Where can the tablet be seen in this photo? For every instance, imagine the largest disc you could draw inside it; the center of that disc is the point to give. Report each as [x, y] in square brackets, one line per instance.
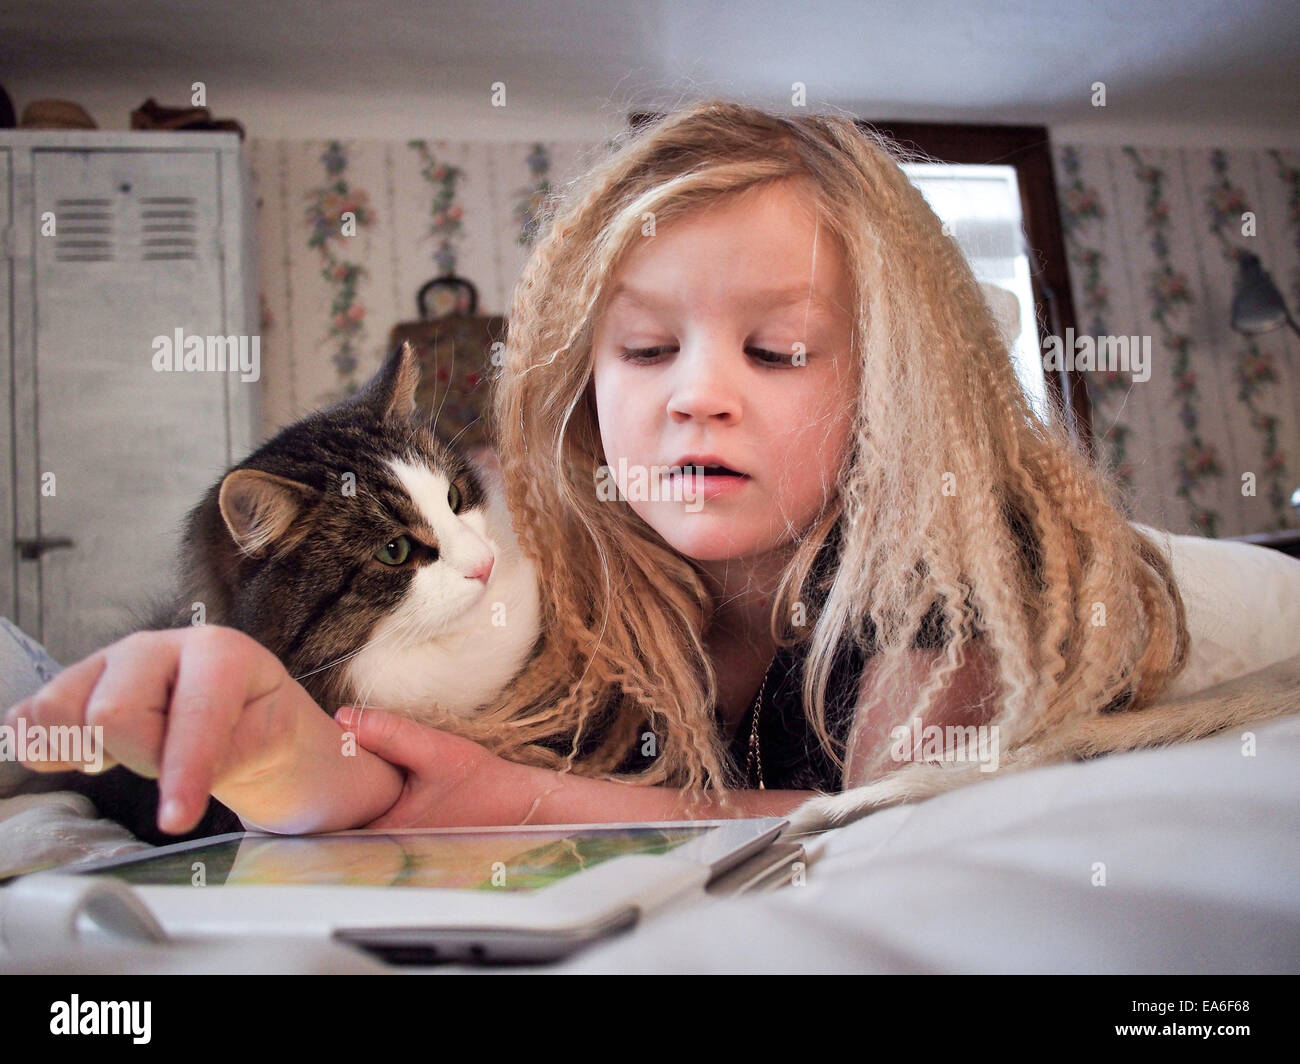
[508, 894]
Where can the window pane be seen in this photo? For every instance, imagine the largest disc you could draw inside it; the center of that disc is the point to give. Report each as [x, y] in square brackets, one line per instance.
[981, 207]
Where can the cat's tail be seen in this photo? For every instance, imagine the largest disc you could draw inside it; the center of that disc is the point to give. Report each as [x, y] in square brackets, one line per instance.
[1258, 696]
[1267, 694]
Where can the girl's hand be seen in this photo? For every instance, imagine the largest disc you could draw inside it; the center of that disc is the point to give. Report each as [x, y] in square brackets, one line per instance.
[450, 781]
[453, 782]
[200, 709]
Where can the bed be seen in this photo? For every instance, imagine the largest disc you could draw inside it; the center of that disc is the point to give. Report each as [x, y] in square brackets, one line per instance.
[1184, 859]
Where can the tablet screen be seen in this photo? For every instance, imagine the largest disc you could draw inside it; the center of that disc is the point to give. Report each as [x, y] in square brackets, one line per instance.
[461, 860]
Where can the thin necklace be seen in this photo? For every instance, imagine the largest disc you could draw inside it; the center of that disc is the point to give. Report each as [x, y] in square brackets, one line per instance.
[755, 755]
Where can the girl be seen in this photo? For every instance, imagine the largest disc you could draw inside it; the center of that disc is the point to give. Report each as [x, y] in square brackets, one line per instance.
[889, 531]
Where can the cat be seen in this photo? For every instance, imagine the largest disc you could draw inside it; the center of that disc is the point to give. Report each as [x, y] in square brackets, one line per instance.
[376, 561]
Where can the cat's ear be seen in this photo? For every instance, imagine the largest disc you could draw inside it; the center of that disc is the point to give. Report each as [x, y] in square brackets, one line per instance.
[258, 507]
[391, 391]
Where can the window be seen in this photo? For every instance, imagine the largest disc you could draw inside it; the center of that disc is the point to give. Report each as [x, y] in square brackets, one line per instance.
[1027, 151]
[980, 206]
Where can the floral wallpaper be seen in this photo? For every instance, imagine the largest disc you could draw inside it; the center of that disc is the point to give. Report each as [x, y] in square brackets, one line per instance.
[334, 213]
[348, 231]
[1210, 443]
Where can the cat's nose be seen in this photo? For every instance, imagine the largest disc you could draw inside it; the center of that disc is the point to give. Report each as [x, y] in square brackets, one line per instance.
[484, 571]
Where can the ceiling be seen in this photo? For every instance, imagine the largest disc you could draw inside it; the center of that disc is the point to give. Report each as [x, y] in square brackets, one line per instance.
[1194, 61]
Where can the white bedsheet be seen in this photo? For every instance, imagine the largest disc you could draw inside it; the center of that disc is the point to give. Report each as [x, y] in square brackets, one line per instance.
[57, 827]
[1200, 847]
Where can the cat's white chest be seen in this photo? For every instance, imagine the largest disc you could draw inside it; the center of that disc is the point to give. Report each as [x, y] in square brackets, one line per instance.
[436, 650]
[460, 672]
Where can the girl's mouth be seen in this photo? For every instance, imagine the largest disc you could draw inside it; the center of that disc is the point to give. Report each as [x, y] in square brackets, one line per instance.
[708, 482]
[706, 471]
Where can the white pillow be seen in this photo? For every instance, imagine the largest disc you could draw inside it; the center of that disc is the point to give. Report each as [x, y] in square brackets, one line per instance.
[1196, 844]
[1242, 602]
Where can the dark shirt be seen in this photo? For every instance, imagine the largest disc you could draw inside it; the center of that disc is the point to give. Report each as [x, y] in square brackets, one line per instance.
[792, 755]
[793, 758]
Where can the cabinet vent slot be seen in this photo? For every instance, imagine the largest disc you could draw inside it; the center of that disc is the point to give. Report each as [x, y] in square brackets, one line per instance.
[84, 230]
[168, 227]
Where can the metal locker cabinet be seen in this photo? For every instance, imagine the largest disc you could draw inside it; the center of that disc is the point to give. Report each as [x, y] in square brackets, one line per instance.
[150, 236]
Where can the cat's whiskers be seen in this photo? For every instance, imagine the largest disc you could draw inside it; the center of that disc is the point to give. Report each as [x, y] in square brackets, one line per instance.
[339, 661]
[362, 701]
[408, 625]
[404, 626]
[451, 375]
[452, 442]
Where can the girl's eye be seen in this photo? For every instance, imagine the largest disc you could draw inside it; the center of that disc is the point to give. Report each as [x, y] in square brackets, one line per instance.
[771, 358]
[641, 355]
[453, 498]
[395, 551]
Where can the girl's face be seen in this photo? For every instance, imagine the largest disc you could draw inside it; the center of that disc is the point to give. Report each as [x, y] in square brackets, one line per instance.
[750, 310]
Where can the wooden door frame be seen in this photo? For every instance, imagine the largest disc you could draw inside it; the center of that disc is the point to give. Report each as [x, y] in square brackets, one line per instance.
[1029, 150]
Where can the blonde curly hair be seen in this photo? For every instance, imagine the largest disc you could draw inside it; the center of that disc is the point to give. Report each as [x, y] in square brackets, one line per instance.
[938, 406]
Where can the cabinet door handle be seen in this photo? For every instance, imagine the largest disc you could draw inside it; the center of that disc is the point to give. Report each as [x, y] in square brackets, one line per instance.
[31, 549]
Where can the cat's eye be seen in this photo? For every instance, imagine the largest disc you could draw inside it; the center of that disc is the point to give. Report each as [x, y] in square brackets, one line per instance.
[453, 498]
[395, 551]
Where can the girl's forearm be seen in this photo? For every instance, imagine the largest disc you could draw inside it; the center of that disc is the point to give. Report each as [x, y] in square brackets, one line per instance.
[543, 796]
[328, 783]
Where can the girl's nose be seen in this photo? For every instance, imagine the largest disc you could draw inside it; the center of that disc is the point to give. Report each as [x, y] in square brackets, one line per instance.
[704, 389]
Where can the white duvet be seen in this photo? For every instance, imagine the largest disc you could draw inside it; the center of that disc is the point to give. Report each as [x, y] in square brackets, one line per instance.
[1181, 860]
[1185, 859]
[54, 827]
